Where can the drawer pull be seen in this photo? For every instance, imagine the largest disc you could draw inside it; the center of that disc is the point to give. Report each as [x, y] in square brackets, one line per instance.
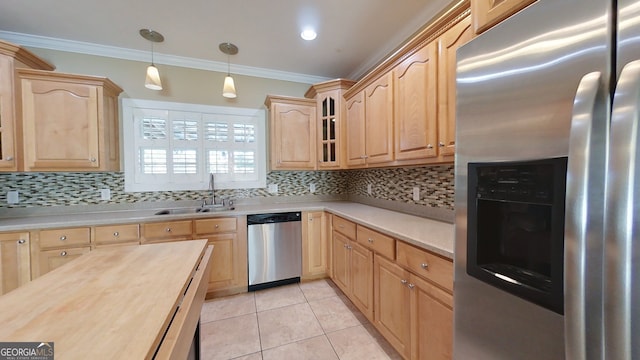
[424, 266]
[21, 241]
[370, 240]
[63, 237]
[403, 282]
[63, 253]
[116, 234]
[167, 230]
[345, 246]
[411, 286]
[349, 247]
[217, 226]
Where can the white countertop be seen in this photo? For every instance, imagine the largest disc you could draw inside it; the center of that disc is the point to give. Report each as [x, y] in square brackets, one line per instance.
[432, 235]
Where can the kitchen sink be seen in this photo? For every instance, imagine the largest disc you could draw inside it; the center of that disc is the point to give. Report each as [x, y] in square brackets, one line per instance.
[196, 210]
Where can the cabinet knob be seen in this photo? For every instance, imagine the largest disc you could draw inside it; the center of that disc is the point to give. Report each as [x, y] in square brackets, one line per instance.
[116, 234]
[424, 266]
[63, 237]
[429, 146]
[167, 230]
[63, 253]
[21, 241]
[93, 159]
[441, 144]
[411, 286]
[9, 158]
[217, 226]
[370, 240]
[403, 282]
[349, 247]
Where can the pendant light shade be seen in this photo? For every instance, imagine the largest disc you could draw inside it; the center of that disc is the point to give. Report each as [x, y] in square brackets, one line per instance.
[229, 87]
[152, 80]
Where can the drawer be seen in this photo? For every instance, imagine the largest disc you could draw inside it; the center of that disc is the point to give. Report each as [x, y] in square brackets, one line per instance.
[167, 230]
[113, 234]
[65, 237]
[425, 264]
[344, 227]
[216, 225]
[381, 244]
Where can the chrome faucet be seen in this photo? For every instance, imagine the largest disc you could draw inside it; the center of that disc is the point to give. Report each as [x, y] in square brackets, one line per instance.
[212, 191]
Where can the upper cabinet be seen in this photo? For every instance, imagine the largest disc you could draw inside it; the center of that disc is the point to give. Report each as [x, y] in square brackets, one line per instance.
[13, 57]
[292, 130]
[331, 122]
[70, 122]
[487, 13]
[355, 131]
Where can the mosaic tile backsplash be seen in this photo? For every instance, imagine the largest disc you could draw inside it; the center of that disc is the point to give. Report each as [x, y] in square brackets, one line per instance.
[395, 184]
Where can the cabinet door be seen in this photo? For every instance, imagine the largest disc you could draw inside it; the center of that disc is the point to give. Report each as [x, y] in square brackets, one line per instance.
[392, 299]
[314, 245]
[340, 261]
[60, 125]
[487, 13]
[226, 262]
[329, 120]
[416, 107]
[53, 259]
[355, 137]
[431, 321]
[294, 137]
[15, 267]
[448, 43]
[8, 146]
[361, 273]
[379, 120]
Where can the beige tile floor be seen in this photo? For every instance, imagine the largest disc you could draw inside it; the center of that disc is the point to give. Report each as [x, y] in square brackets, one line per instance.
[311, 320]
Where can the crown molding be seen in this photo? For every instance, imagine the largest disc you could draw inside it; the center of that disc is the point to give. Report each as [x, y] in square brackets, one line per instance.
[80, 47]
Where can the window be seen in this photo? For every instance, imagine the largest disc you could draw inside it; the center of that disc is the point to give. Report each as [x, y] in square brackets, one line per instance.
[174, 146]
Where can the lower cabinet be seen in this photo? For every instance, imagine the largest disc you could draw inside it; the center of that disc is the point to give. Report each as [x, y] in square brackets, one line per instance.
[15, 261]
[228, 273]
[53, 248]
[53, 259]
[353, 271]
[314, 245]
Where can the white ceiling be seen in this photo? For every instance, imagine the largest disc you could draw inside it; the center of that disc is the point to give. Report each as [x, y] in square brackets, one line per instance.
[353, 35]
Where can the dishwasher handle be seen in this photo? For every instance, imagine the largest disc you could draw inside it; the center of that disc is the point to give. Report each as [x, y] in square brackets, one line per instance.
[273, 218]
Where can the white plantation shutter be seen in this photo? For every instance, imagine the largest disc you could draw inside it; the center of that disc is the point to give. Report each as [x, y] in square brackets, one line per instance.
[174, 146]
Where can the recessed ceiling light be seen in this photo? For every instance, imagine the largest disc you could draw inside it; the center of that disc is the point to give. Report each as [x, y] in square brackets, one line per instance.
[308, 34]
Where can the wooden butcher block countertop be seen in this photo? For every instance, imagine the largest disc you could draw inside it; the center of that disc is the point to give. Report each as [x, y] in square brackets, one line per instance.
[112, 303]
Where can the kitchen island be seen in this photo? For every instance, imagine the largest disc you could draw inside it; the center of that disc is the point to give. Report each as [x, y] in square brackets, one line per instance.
[129, 302]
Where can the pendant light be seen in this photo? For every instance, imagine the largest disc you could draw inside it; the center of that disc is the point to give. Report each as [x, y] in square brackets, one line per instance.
[229, 88]
[153, 76]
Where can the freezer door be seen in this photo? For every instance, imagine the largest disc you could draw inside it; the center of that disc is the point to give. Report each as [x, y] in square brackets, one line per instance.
[622, 222]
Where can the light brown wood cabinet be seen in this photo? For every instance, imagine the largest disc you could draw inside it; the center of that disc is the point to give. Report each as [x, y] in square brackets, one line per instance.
[53, 248]
[487, 13]
[13, 57]
[115, 235]
[356, 131]
[166, 231]
[15, 261]
[314, 245]
[228, 273]
[448, 43]
[70, 122]
[353, 269]
[416, 105]
[331, 123]
[379, 120]
[292, 131]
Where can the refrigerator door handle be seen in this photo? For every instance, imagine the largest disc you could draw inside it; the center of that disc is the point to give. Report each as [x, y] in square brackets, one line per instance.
[583, 220]
[622, 221]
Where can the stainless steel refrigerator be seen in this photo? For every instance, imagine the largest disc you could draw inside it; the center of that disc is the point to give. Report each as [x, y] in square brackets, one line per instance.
[547, 255]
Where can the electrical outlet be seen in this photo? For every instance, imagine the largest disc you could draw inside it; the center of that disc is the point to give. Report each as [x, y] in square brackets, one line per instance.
[369, 189]
[312, 187]
[416, 193]
[13, 197]
[105, 194]
[273, 188]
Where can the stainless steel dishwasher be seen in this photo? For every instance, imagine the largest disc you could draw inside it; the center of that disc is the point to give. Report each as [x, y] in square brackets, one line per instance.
[274, 249]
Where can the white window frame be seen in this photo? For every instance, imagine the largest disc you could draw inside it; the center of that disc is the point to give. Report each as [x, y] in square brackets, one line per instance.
[135, 181]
